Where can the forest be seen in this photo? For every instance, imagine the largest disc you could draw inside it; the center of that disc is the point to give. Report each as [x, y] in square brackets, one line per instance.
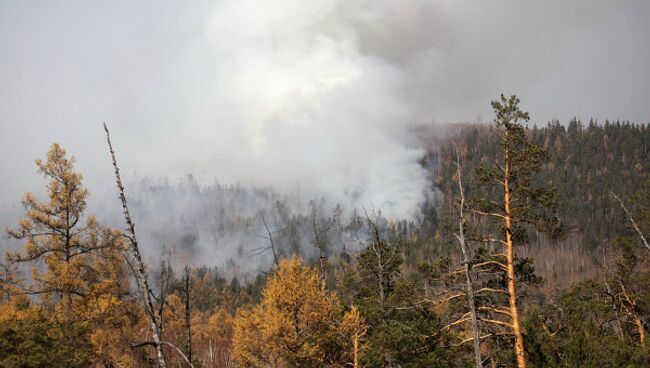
[530, 250]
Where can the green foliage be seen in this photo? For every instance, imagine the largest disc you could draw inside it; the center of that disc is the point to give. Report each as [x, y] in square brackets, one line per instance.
[519, 162]
[580, 331]
[405, 332]
[39, 342]
[583, 163]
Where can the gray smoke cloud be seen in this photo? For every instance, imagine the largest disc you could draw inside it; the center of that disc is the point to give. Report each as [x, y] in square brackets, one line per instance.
[314, 96]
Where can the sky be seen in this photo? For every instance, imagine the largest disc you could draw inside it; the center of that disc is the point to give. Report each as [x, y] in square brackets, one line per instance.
[314, 95]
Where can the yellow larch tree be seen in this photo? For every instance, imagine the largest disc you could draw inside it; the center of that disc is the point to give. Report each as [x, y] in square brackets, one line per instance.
[353, 326]
[78, 270]
[55, 233]
[293, 325]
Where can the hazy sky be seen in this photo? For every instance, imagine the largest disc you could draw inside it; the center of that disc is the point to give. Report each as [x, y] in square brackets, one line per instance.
[313, 94]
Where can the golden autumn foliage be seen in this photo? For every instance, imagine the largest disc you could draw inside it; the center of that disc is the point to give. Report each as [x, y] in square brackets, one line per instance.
[56, 233]
[108, 306]
[211, 336]
[16, 309]
[78, 270]
[354, 325]
[296, 324]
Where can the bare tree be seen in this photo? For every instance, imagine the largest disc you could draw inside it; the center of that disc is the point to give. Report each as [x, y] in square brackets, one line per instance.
[140, 272]
[644, 240]
[164, 287]
[320, 247]
[467, 263]
[381, 258]
[269, 238]
[188, 325]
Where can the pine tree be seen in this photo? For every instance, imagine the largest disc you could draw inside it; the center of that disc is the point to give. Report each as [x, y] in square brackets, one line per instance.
[508, 199]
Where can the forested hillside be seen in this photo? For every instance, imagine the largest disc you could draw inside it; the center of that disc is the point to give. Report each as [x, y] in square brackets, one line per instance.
[529, 250]
[585, 164]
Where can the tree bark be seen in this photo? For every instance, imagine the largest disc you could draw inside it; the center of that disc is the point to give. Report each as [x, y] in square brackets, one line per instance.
[510, 257]
[468, 267]
[188, 325]
[321, 254]
[632, 310]
[140, 270]
[356, 350]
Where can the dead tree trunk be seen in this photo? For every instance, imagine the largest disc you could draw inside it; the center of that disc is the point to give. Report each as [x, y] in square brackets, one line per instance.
[380, 258]
[322, 258]
[276, 261]
[634, 224]
[164, 283]
[188, 325]
[140, 269]
[468, 267]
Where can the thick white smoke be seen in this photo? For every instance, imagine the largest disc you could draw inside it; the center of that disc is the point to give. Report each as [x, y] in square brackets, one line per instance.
[289, 100]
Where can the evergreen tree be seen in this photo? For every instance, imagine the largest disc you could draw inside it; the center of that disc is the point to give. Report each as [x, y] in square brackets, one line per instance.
[508, 199]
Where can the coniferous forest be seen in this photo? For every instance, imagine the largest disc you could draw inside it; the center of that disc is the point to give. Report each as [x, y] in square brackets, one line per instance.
[324, 184]
[531, 250]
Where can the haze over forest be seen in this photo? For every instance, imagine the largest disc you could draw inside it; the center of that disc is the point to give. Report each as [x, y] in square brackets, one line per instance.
[320, 98]
[251, 132]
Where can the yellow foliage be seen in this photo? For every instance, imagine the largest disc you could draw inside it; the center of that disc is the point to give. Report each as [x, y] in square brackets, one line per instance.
[217, 325]
[291, 324]
[16, 308]
[78, 266]
[354, 326]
